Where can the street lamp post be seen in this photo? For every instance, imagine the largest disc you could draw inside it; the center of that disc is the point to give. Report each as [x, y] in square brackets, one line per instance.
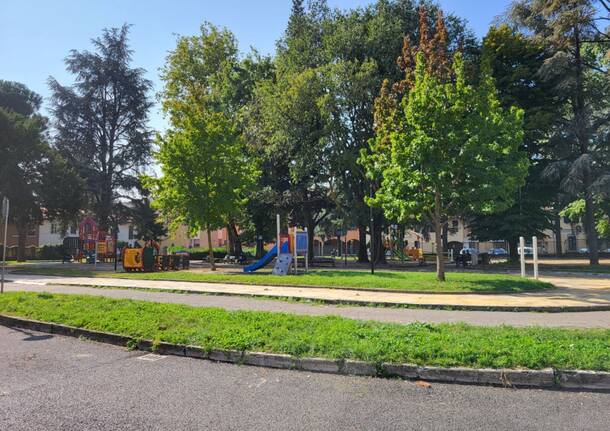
[5, 213]
[372, 228]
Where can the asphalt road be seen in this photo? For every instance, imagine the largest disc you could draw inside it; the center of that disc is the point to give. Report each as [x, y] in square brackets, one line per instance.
[56, 383]
[589, 319]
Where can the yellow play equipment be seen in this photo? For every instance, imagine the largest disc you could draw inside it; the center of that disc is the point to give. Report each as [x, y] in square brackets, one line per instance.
[416, 254]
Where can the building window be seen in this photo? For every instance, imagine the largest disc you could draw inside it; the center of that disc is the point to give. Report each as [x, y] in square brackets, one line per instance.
[131, 232]
[455, 224]
[566, 220]
[54, 228]
[73, 229]
[572, 243]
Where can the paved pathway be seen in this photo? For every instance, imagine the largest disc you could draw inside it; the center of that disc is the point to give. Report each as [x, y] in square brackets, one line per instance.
[49, 382]
[572, 293]
[592, 319]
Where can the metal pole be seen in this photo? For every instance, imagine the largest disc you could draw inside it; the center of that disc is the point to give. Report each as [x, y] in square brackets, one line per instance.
[345, 250]
[5, 208]
[294, 249]
[372, 228]
[115, 246]
[307, 253]
[535, 252]
[522, 255]
[279, 246]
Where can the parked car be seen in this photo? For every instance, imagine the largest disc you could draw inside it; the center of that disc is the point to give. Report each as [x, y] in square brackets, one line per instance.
[498, 252]
[528, 251]
[583, 250]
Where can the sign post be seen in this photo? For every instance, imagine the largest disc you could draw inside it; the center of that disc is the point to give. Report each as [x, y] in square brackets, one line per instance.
[279, 245]
[522, 255]
[372, 230]
[5, 213]
[307, 253]
[295, 251]
[535, 252]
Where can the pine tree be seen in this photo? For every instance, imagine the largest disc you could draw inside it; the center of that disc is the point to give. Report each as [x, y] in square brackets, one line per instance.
[570, 31]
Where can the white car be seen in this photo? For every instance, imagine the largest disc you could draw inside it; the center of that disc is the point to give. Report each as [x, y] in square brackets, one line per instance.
[468, 250]
[527, 251]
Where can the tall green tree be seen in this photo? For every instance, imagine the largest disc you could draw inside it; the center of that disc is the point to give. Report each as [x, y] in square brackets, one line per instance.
[361, 52]
[206, 172]
[101, 122]
[254, 220]
[288, 124]
[515, 62]
[144, 217]
[453, 150]
[570, 31]
[33, 176]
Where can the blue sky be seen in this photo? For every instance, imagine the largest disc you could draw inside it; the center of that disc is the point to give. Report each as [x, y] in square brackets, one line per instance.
[36, 35]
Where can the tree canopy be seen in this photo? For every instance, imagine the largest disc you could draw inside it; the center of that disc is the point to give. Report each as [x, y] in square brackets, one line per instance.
[453, 150]
[205, 170]
[101, 122]
[34, 177]
[577, 67]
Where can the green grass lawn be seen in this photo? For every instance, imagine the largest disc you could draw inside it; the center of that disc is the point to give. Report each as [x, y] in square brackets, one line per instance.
[327, 336]
[392, 280]
[29, 262]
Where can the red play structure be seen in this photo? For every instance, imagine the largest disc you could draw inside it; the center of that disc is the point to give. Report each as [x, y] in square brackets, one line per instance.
[91, 236]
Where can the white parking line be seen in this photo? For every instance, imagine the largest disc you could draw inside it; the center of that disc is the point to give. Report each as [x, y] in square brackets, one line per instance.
[37, 283]
[151, 357]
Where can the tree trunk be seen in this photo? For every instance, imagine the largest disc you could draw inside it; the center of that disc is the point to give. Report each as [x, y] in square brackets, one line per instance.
[22, 231]
[235, 248]
[310, 237]
[445, 236]
[590, 228]
[230, 241]
[211, 250]
[438, 231]
[513, 245]
[339, 247]
[378, 246]
[362, 254]
[311, 227]
[259, 247]
[558, 245]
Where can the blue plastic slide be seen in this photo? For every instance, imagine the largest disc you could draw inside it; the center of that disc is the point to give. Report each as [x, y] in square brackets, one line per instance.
[266, 259]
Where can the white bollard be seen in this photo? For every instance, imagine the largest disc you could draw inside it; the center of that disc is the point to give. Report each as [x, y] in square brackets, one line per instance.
[535, 252]
[522, 255]
[279, 246]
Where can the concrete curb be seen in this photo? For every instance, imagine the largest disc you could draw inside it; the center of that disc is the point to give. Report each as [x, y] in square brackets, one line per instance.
[458, 307]
[548, 378]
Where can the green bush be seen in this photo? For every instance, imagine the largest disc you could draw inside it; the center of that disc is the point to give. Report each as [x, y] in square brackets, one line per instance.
[50, 252]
